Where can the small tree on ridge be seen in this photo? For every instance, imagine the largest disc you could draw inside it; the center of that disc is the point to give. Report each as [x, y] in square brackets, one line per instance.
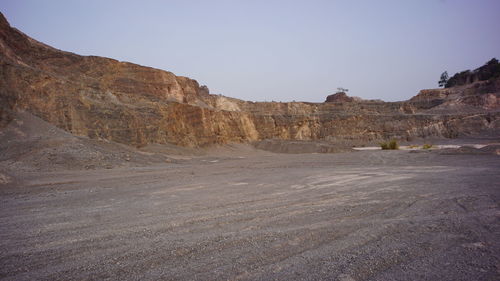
[340, 90]
[444, 79]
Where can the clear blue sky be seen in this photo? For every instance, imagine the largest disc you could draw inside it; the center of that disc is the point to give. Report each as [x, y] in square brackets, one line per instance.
[277, 50]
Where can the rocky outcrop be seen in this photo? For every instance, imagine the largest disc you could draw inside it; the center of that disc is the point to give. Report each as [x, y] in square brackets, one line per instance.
[482, 96]
[106, 99]
[339, 97]
[490, 70]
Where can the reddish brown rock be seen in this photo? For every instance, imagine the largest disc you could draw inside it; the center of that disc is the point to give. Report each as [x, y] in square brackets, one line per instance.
[479, 96]
[339, 97]
[107, 99]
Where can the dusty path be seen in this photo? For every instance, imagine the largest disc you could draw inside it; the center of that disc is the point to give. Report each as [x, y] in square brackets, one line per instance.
[371, 215]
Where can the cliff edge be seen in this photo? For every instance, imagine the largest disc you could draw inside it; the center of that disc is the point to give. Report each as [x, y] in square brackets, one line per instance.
[106, 99]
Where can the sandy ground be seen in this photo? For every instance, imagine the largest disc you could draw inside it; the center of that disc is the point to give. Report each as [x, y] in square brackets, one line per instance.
[368, 215]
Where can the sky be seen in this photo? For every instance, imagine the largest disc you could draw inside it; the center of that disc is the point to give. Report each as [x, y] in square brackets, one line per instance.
[277, 50]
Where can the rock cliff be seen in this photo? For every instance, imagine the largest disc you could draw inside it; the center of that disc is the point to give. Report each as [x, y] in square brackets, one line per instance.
[489, 70]
[119, 101]
[339, 97]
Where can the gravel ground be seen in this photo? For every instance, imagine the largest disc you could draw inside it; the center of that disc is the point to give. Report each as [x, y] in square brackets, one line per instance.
[368, 215]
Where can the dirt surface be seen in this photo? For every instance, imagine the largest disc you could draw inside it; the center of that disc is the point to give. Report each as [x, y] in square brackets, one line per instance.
[296, 146]
[369, 215]
[78, 209]
[29, 143]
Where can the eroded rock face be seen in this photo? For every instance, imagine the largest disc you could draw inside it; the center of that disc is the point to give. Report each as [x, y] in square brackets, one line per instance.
[477, 97]
[339, 97]
[107, 99]
[490, 70]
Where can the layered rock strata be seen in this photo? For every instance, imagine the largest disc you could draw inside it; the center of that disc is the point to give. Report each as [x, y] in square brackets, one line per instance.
[123, 102]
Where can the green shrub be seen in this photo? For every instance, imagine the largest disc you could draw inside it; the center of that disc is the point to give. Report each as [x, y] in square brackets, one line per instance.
[427, 146]
[392, 144]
